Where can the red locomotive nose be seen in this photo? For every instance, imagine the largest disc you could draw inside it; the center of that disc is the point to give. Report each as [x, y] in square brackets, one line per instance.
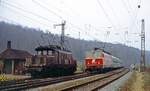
[95, 62]
[99, 61]
[88, 61]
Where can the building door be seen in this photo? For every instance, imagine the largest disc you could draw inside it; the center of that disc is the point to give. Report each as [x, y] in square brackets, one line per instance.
[8, 66]
[1, 66]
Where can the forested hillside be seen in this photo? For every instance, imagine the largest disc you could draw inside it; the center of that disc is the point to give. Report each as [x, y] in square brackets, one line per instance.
[28, 38]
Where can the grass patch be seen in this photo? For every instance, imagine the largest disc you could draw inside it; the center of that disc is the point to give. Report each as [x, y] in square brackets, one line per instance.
[3, 77]
[127, 86]
[79, 67]
[146, 81]
[6, 77]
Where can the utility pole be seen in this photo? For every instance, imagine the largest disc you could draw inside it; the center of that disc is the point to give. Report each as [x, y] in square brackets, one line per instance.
[125, 44]
[142, 62]
[80, 47]
[106, 37]
[62, 32]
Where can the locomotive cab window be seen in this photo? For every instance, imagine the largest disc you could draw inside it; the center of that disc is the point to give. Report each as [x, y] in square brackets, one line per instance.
[39, 52]
[44, 52]
[49, 52]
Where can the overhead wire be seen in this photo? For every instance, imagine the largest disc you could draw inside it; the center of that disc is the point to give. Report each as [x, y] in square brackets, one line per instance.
[57, 15]
[29, 18]
[105, 13]
[80, 29]
[47, 9]
[71, 9]
[50, 11]
[115, 15]
[125, 5]
[16, 7]
[56, 9]
[136, 14]
[134, 17]
[29, 12]
[129, 5]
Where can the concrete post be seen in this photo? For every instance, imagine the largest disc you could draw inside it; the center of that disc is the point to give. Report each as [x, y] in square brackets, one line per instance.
[13, 66]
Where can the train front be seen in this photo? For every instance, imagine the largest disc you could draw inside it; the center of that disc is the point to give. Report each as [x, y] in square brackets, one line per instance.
[94, 61]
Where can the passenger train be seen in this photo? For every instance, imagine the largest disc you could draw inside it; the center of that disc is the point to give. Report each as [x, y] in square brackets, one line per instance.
[98, 60]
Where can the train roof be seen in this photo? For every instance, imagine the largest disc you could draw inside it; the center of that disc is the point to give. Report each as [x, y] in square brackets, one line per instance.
[102, 50]
[51, 47]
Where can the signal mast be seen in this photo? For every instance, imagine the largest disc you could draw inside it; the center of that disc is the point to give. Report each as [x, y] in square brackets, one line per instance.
[142, 61]
[62, 41]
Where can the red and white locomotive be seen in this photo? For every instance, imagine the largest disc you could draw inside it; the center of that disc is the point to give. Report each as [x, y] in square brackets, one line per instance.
[97, 60]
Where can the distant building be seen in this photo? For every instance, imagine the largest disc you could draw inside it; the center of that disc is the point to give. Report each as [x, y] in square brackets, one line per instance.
[12, 61]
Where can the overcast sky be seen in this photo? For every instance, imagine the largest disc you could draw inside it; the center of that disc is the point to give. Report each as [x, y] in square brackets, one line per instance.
[115, 21]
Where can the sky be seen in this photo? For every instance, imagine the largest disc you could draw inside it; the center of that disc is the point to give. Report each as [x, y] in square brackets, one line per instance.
[115, 21]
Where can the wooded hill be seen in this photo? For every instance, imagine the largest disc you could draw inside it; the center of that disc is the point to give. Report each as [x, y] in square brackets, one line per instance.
[25, 38]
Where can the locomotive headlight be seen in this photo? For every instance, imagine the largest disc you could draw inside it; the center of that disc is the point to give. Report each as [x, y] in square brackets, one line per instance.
[93, 61]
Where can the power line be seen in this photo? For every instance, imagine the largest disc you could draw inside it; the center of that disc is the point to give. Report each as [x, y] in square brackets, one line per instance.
[29, 18]
[82, 30]
[115, 15]
[47, 9]
[107, 16]
[126, 7]
[18, 8]
[50, 11]
[75, 12]
[129, 5]
[29, 12]
[135, 17]
[57, 9]
[55, 14]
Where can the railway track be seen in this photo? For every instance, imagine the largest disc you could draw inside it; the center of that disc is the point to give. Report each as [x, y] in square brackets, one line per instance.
[98, 83]
[33, 83]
